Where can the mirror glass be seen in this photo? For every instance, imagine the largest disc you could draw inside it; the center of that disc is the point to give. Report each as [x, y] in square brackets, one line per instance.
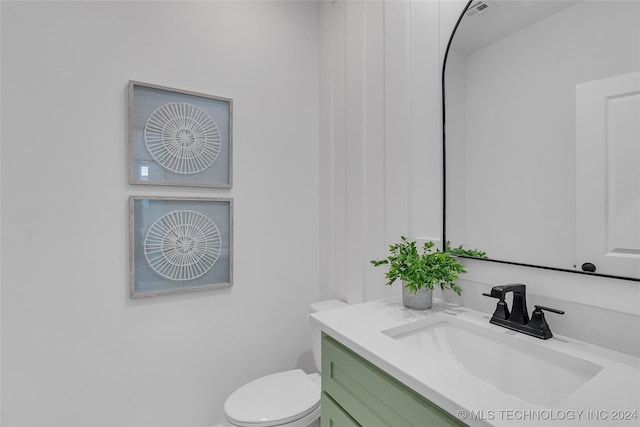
[542, 134]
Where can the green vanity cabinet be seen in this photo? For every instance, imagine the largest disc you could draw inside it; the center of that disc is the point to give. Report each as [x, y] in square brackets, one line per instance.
[357, 393]
[333, 415]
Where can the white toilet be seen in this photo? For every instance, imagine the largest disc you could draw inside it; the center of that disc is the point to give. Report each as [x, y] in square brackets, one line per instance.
[287, 399]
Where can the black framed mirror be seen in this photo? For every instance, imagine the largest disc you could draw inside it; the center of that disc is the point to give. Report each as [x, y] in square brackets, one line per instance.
[541, 134]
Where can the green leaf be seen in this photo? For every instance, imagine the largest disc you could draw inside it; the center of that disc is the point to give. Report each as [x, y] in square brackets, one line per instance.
[426, 268]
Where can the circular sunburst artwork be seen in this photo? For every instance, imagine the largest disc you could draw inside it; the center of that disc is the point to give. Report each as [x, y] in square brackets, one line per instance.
[182, 245]
[182, 138]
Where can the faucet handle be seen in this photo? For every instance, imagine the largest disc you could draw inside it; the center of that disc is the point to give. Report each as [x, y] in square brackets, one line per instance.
[501, 311]
[552, 310]
[539, 324]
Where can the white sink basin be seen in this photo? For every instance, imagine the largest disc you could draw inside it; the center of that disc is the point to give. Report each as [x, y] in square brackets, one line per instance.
[527, 371]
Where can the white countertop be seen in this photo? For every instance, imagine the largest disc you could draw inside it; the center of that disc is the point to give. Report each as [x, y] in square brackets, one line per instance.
[611, 397]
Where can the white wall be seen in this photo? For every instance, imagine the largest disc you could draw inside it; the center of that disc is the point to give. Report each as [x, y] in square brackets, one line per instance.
[0, 226]
[76, 351]
[391, 183]
[379, 137]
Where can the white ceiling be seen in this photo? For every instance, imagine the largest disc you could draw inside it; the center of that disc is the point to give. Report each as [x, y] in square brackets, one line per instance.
[501, 18]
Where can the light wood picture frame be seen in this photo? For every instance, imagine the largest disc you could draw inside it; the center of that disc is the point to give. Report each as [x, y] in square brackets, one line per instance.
[179, 137]
[179, 244]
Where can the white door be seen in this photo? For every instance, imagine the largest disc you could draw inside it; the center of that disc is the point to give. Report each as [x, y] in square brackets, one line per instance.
[608, 175]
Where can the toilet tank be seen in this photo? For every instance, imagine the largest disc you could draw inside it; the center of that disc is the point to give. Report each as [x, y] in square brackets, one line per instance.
[316, 336]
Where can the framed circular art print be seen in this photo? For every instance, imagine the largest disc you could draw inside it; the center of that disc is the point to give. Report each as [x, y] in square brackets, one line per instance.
[179, 137]
[179, 244]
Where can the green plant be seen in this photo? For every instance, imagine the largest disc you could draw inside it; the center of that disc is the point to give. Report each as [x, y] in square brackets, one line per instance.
[429, 268]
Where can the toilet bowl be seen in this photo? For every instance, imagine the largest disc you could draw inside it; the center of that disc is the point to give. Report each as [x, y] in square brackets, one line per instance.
[287, 399]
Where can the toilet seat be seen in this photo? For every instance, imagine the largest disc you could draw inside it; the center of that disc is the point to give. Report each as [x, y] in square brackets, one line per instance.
[273, 400]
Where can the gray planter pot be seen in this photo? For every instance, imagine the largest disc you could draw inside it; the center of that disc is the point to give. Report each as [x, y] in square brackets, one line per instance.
[421, 300]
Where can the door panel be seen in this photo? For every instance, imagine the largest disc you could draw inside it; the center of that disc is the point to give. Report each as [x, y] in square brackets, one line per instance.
[608, 174]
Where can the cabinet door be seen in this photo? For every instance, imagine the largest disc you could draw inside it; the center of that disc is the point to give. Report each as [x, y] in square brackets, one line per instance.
[372, 397]
[333, 416]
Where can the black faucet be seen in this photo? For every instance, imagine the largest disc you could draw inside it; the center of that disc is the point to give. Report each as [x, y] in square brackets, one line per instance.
[518, 318]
